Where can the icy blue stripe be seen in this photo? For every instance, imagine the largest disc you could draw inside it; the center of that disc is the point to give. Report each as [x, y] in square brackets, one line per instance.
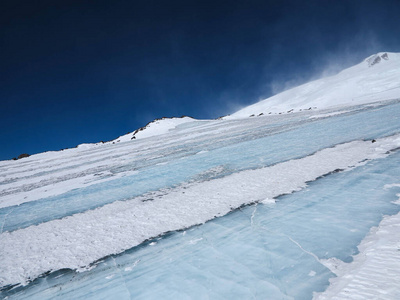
[255, 147]
[259, 252]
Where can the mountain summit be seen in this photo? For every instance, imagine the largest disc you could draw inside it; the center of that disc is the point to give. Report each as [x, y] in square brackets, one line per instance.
[375, 78]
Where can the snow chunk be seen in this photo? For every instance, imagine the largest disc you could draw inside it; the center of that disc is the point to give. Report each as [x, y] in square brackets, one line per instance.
[312, 273]
[268, 201]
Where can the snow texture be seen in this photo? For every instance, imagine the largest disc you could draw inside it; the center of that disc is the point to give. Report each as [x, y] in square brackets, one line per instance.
[154, 128]
[76, 241]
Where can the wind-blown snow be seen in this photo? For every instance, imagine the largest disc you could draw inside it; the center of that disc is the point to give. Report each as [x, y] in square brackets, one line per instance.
[377, 77]
[75, 242]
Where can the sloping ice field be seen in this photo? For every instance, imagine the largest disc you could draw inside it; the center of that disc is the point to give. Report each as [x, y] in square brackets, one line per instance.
[267, 249]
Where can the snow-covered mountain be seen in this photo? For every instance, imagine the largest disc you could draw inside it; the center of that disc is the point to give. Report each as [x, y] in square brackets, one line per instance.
[266, 207]
[375, 78]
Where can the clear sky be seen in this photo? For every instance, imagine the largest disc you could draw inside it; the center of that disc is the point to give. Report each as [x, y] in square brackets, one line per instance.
[84, 71]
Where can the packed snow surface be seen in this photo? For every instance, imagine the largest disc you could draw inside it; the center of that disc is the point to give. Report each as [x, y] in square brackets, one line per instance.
[154, 128]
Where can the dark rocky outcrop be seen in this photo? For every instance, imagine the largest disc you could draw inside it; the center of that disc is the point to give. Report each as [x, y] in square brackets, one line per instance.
[22, 156]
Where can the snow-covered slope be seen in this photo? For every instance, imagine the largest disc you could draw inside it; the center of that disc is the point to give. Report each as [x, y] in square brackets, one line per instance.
[376, 78]
[72, 209]
[154, 128]
[282, 201]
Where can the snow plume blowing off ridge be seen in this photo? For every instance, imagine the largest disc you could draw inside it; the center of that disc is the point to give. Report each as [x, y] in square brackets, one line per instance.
[376, 78]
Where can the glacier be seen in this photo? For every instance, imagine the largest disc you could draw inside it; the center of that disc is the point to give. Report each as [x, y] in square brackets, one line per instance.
[274, 206]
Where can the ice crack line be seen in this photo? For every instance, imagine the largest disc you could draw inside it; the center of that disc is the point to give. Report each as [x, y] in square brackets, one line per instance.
[121, 275]
[296, 243]
[253, 214]
[304, 250]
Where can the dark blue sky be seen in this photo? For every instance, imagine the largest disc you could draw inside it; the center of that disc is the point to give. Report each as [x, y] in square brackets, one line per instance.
[84, 71]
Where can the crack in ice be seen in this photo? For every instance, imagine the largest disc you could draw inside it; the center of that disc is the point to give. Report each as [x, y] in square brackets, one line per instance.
[253, 214]
[122, 277]
[304, 250]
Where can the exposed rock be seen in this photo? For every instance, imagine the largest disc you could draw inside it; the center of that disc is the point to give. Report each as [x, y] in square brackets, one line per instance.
[375, 61]
[377, 58]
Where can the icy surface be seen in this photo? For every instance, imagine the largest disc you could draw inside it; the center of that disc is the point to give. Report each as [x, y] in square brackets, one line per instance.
[76, 241]
[66, 210]
[375, 271]
[54, 185]
[264, 251]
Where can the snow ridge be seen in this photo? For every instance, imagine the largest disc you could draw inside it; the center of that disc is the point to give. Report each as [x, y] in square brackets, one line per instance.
[376, 78]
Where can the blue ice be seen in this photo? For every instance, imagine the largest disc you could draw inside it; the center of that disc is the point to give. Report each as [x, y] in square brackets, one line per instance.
[257, 252]
[249, 144]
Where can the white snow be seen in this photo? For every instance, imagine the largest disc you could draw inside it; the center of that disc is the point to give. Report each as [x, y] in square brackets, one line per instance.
[53, 173]
[76, 241]
[375, 271]
[362, 83]
[154, 128]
